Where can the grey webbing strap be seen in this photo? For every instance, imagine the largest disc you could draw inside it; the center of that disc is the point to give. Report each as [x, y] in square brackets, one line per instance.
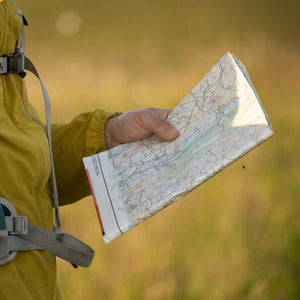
[17, 244]
[22, 45]
[30, 67]
[19, 235]
[63, 245]
[66, 247]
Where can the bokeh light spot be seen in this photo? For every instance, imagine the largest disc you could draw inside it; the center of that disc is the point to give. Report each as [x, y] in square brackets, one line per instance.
[68, 23]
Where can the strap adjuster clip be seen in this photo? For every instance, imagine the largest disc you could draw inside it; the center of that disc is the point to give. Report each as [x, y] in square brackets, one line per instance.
[19, 225]
[3, 65]
[12, 63]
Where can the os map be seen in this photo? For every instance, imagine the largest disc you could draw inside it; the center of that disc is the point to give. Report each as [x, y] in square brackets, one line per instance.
[219, 121]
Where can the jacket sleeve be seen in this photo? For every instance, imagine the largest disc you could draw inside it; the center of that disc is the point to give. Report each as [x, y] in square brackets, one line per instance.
[84, 136]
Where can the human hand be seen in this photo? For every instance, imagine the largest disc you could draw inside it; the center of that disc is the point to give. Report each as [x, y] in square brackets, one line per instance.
[137, 125]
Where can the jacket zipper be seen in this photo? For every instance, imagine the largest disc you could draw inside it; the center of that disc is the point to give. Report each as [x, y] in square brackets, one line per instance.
[37, 144]
[34, 140]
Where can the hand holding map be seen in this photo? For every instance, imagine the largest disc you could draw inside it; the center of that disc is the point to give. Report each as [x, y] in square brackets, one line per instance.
[219, 121]
[137, 125]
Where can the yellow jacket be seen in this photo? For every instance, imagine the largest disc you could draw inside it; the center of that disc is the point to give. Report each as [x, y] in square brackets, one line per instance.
[25, 168]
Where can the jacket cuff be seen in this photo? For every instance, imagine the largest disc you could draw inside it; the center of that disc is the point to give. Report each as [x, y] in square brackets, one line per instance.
[95, 141]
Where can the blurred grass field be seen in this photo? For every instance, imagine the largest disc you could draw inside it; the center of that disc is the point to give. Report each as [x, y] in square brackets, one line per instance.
[238, 235]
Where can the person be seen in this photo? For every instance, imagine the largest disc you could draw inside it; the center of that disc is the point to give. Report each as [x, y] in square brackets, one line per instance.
[25, 162]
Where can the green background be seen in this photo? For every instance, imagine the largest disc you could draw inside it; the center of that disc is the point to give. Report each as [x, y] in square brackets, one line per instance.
[238, 235]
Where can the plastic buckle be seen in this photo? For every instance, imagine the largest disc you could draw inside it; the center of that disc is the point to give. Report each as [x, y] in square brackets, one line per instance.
[12, 63]
[3, 65]
[20, 226]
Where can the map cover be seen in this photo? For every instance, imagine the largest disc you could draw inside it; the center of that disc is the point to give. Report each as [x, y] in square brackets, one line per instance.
[219, 121]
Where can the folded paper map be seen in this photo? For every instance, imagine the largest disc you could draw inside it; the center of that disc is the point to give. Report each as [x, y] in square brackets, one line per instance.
[219, 121]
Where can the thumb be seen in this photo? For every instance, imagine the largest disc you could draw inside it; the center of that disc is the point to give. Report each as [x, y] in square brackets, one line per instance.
[161, 127]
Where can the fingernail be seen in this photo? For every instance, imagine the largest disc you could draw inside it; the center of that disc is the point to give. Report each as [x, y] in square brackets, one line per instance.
[172, 132]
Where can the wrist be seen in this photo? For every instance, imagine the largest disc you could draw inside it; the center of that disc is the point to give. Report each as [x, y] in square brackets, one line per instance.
[107, 129]
[108, 132]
